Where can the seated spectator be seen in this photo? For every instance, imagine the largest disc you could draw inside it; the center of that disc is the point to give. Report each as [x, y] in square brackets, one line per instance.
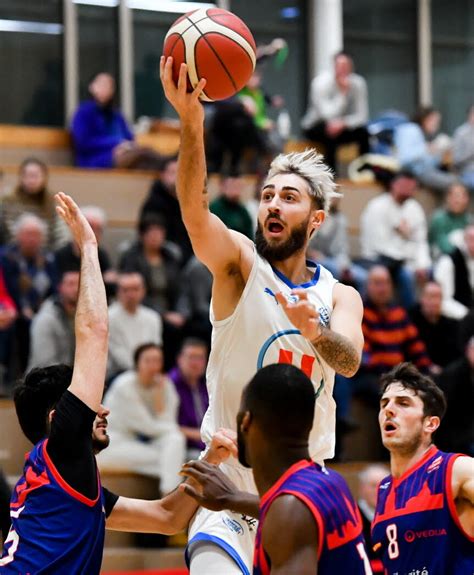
[163, 202]
[448, 223]
[229, 208]
[31, 195]
[337, 109]
[158, 262]
[101, 136]
[8, 314]
[189, 379]
[330, 247]
[368, 483]
[68, 257]
[52, 330]
[130, 323]
[194, 300]
[420, 150]
[393, 232]
[230, 131]
[144, 434]
[30, 275]
[455, 273]
[463, 151]
[456, 433]
[438, 332]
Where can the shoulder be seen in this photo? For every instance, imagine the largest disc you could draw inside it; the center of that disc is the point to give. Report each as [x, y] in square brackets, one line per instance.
[358, 81]
[123, 384]
[86, 107]
[346, 296]
[462, 477]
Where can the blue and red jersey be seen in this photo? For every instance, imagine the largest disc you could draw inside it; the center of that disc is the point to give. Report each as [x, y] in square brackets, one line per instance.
[327, 496]
[416, 528]
[54, 529]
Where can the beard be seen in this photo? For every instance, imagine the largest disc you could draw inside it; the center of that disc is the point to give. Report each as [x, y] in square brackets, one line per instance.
[99, 443]
[282, 250]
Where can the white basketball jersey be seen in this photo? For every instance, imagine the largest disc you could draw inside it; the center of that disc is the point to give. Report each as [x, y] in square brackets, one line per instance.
[258, 333]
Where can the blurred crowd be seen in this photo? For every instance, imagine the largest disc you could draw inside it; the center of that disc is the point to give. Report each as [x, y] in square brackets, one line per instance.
[415, 273]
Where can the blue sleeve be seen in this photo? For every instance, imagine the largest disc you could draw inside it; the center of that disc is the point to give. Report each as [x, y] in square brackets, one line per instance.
[85, 134]
[409, 143]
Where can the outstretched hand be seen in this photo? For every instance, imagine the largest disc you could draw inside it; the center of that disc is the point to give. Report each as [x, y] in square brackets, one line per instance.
[213, 489]
[80, 228]
[186, 104]
[302, 314]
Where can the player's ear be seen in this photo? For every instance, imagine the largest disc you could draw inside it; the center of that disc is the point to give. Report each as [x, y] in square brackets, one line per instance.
[246, 420]
[317, 218]
[432, 423]
[51, 415]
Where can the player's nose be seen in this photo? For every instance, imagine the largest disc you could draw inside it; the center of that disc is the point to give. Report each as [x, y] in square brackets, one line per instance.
[103, 411]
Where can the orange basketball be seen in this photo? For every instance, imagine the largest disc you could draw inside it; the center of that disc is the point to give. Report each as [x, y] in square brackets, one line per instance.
[216, 45]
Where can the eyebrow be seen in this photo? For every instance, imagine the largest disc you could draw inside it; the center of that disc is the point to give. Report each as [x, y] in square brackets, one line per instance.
[396, 397]
[285, 188]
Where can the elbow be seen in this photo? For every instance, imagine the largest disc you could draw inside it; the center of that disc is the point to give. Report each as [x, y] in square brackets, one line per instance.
[94, 328]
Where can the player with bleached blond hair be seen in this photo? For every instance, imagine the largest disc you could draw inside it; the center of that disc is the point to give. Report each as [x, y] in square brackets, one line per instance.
[269, 305]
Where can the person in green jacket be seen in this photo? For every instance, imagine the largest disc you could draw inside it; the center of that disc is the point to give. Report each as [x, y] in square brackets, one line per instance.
[229, 208]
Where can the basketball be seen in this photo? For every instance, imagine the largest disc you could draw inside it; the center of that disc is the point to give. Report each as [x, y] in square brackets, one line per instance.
[216, 45]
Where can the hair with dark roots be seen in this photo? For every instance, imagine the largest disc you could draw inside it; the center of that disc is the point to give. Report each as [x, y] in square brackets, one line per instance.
[281, 399]
[36, 395]
[407, 375]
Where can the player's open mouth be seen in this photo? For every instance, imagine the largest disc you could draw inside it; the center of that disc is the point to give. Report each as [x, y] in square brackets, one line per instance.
[274, 227]
[389, 427]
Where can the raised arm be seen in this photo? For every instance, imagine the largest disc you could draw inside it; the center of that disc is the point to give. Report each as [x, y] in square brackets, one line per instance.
[213, 243]
[91, 324]
[341, 344]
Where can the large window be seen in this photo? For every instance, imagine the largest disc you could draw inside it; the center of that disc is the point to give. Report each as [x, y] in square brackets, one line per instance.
[453, 59]
[31, 58]
[381, 36]
[269, 19]
[98, 44]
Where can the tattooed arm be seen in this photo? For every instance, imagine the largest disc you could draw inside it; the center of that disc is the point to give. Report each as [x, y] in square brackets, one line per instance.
[341, 344]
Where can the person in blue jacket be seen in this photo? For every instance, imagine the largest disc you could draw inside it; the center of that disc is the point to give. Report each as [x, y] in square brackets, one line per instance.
[101, 135]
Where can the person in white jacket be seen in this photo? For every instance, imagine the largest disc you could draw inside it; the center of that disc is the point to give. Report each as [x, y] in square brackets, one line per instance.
[143, 428]
[393, 232]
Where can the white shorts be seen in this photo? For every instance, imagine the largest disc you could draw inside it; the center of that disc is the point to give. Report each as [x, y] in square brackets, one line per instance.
[232, 532]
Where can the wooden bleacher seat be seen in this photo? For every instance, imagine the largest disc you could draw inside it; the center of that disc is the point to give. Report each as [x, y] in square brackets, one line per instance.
[13, 444]
[137, 560]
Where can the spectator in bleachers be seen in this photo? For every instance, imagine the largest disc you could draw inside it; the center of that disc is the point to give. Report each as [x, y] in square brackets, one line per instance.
[393, 232]
[8, 315]
[194, 300]
[338, 109]
[158, 261]
[330, 247]
[101, 135]
[447, 223]
[162, 201]
[455, 273]
[143, 429]
[456, 433]
[52, 329]
[420, 149]
[31, 195]
[463, 150]
[131, 324]
[438, 332]
[228, 206]
[30, 275]
[189, 379]
[368, 483]
[68, 257]
[389, 337]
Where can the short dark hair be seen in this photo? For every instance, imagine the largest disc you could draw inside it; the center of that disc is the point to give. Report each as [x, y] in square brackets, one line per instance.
[282, 399]
[36, 395]
[193, 342]
[434, 401]
[150, 221]
[36, 162]
[422, 113]
[141, 349]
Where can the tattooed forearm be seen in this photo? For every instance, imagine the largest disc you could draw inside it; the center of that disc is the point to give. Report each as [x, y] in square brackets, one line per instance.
[338, 352]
